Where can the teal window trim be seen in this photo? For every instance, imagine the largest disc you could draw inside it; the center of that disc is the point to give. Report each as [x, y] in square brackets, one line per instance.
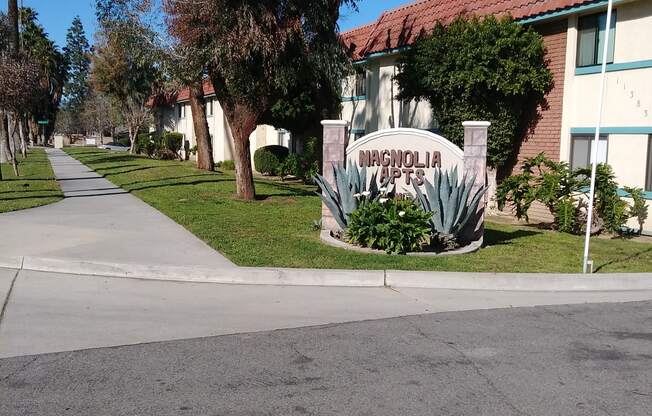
[354, 98]
[598, 5]
[357, 131]
[622, 193]
[613, 130]
[623, 66]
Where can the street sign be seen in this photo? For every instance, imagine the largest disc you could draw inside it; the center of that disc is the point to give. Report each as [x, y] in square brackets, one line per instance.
[43, 122]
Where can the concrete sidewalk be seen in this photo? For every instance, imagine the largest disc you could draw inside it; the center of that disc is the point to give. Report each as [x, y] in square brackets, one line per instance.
[97, 221]
[50, 312]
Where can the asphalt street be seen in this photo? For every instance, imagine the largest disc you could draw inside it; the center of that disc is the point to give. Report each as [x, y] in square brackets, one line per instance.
[593, 359]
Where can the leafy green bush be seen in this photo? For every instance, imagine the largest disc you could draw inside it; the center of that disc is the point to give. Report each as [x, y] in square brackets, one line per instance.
[479, 69]
[291, 166]
[268, 159]
[147, 143]
[396, 226]
[226, 164]
[638, 209]
[608, 204]
[173, 141]
[155, 145]
[567, 215]
[564, 192]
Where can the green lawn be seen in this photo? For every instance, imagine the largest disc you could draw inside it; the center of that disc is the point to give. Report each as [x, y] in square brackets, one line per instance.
[277, 229]
[34, 187]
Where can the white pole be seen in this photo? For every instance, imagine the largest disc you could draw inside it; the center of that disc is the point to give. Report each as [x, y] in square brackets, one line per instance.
[596, 139]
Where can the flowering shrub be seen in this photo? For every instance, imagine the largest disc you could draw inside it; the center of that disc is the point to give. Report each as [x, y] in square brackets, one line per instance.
[396, 226]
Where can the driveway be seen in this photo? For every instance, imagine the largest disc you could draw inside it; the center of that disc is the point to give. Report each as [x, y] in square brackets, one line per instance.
[100, 222]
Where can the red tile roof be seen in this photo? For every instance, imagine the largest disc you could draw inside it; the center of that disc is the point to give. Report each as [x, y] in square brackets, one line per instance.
[401, 26]
[184, 94]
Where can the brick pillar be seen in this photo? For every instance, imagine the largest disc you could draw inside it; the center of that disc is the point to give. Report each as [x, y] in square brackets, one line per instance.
[475, 163]
[335, 142]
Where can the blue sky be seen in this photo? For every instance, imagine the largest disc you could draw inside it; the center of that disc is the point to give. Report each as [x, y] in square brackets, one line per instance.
[56, 15]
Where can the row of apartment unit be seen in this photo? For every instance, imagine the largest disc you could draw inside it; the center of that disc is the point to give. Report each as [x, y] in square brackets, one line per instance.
[573, 34]
[178, 118]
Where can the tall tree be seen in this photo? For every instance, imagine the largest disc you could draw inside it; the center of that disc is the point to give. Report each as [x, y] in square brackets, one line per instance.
[254, 51]
[126, 65]
[12, 15]
[77, 53]
[40, 49]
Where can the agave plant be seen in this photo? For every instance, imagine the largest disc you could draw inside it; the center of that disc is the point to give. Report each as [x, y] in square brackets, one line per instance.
[450, 202]
[352, 189]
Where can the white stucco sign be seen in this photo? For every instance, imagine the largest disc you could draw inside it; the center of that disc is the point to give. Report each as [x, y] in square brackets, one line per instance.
[404, 156]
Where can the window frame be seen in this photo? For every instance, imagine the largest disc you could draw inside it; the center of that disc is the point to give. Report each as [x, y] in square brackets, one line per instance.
[590, 138]
[181, 111]
[597, 54]
[360, 86]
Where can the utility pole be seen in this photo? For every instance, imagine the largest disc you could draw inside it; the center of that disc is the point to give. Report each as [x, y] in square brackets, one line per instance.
[596, 140]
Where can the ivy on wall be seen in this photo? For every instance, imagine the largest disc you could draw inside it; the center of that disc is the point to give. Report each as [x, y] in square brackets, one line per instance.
[479, 69]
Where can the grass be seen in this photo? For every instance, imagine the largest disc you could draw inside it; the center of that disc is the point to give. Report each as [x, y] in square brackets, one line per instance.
[277, 229]
[34, 187]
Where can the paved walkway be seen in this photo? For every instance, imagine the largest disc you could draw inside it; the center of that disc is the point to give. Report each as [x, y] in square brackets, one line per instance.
[100, 222]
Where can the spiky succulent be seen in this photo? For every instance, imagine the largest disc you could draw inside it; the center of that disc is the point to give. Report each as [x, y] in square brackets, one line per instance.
[352, 189]
[450, 202]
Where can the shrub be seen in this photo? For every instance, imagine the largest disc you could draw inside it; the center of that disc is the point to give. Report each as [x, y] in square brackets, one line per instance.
[608, 204]
[268, 159]
[291, 166]
[173, 141]
[564, 191]
[147, 143]
[226, 164]
[638, 209]
[567, 215]
[479, 69]
[396, 226]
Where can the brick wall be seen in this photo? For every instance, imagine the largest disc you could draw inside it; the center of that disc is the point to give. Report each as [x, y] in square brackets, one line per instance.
[547, 134]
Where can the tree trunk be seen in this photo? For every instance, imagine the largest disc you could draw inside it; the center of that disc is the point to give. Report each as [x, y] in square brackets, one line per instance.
[200, 123]
[24, 141]
[12, 14]
[132, 140]
[242, 121]
[6, 155]
[33, 131]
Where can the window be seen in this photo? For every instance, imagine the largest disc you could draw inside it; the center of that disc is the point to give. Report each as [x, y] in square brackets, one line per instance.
[361, 83]
[591, 37]
[648, 175]
[181, 110]
[357, 134]
[581, 151]
[209, 107]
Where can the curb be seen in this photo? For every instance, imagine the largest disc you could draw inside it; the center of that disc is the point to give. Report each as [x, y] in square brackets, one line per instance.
[227, 275]
[533, 282]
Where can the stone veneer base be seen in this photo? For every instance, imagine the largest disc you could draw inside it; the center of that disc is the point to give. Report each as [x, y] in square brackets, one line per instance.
[327, 237]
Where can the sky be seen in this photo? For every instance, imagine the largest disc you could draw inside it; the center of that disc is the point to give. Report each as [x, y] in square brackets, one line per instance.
[56, 15]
